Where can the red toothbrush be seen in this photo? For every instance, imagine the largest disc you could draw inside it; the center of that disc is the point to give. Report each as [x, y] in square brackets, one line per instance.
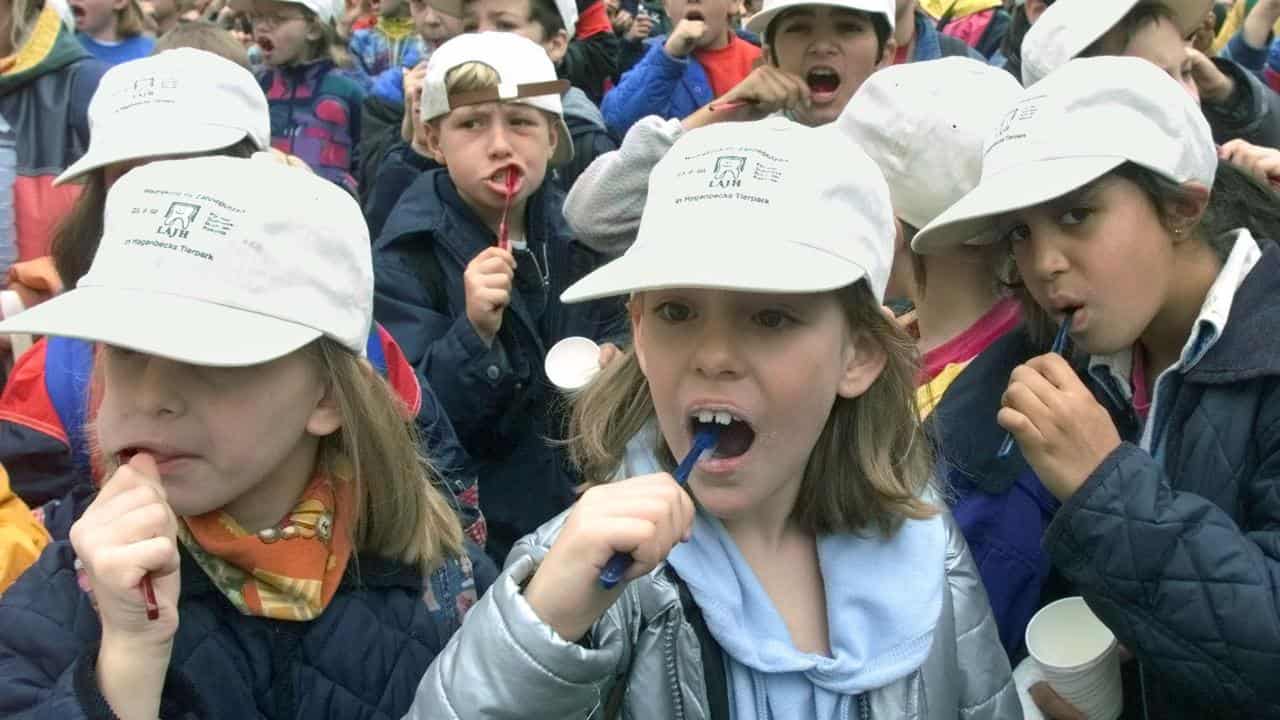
[513, 183]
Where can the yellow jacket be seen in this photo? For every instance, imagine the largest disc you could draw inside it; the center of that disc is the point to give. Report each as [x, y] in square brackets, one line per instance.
[1233, 24]
[962, 8]
[22, 537]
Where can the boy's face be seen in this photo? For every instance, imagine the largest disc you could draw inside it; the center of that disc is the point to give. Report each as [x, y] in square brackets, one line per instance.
[514, 16]
[281, 30]
[833, 50]
[478, 143]
[714, 13]
[1161, 44]
[95, 16]
[433, 26]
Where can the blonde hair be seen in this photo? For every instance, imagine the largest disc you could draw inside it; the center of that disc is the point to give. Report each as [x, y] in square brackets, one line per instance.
[129, 20]
[328, 45]
[471, 76]
[204, 35]
[868, 470]
[23, 17]
[401, 512]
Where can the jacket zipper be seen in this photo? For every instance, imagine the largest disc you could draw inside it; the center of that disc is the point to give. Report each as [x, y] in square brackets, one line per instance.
[673, 673]
[864, 710]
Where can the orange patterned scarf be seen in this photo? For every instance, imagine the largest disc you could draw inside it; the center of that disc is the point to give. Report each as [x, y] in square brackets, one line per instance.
[288, 572]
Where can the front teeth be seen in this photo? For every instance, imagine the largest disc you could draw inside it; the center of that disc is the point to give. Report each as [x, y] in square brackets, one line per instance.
[718, 417]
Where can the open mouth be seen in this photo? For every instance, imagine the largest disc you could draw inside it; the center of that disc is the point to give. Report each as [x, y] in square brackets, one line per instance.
[695, 15]
[736, 434]
[509, 177]
[77, 12]
[266, 44]
[822, 80]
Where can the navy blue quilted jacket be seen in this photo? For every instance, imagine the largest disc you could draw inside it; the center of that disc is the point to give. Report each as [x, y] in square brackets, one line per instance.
[1181, 557]
[360, 660]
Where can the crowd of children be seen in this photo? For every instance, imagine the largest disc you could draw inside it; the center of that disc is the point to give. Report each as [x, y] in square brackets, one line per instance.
[280, 434]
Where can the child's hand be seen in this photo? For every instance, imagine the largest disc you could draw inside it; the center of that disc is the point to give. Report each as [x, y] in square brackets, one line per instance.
[128, 533]
[684, 37]
[640, 28]
[1052, 704]
[1062, 430]
[608, 353]
[765, 91]
[644, 516]
[1214, 86]
[487, 282]
[279, 157]
[1262, 162]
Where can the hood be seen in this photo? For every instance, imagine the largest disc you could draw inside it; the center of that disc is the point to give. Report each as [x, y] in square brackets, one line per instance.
[51, 47]
[578, 106]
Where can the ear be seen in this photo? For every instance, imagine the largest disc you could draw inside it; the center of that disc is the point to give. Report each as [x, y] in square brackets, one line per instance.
[553, 131]
[431, 137]
[1184, 213]
[324, 418]
[314, 31]
[864, 360]
[556, 46]
[890, 48]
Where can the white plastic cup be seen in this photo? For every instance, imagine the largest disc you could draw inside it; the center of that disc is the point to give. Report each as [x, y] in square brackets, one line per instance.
[1078, 656]
[572, 362]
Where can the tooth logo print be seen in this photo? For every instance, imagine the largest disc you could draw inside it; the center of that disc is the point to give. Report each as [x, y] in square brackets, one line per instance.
[178, 220]
[728, 171]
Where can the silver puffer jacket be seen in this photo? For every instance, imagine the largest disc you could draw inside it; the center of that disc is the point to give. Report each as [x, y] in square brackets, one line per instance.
[506, 663]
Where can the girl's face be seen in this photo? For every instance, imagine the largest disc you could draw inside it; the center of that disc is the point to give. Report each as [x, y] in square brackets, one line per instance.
[282, 30]
[714, 13]
[775, 363]
[241, 439]
[834, 50]
[432, 25]
[95, 17]
[478, 143]
[1101, 252]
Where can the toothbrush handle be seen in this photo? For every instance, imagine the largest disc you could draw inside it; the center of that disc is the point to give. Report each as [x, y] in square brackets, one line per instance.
[614, 570]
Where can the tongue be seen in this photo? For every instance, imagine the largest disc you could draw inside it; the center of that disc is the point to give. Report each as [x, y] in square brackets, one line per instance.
[823, 84]
[735, 439]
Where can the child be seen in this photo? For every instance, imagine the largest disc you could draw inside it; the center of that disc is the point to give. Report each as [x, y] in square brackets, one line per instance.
[315, 104]
[701, 60]
[220, 110]
[204, 35]
[262, 479]
[924, 125]
[1236, 102]
[22, 537]
[475, 318]
[551, 25]
[817, 578]
[1105, 185]
[603, 208]
[112, 30]
[46, 80]
[394, 42]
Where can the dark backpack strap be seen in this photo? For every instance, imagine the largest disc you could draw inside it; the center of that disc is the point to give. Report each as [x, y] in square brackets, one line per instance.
[712, 655]
[67, 369]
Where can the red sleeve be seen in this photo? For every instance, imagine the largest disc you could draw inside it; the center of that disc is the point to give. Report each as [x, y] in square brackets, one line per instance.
[26, 400]
[593, 20]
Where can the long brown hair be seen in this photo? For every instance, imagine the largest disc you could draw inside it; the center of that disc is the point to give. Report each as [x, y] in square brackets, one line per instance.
[869, 469]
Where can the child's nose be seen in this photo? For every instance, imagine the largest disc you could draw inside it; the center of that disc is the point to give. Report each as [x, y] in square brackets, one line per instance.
[716, 354]
[1045, 258]
[499, 140]
[158, 391]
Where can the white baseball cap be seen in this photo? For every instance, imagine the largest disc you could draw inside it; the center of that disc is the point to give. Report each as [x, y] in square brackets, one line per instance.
[772, 8]
[220, 261]
[924, 124]
[770, 206]
[180, 102]
[526, 75]
[1073, 127]
[1068, 27]
[326, 11]
[569, 14]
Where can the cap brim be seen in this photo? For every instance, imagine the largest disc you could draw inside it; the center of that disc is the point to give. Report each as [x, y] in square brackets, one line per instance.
[1018, 187]
[169, 326]
[719, 264]
[111, 145]
[760, 21]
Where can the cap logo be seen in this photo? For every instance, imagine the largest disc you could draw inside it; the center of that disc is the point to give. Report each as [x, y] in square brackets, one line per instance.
[1014, 125]
[145, 90]
[178, 220]
[728, 172]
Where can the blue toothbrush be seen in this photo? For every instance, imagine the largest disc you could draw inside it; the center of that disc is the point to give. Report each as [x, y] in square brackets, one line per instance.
[1059, 344]
[703, 441]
